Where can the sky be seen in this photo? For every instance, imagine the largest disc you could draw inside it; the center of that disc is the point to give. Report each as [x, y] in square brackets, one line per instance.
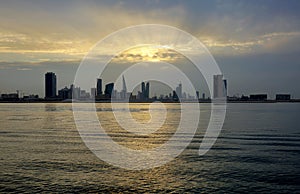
[255, 43]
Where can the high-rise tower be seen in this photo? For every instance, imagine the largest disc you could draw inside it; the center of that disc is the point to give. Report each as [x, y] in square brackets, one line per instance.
[99, 87]
[124, 89]
[109, 89]
[50, 85]
[220, 86]
[179, 90]
[143, 90]
[124, 85]
[147, 90]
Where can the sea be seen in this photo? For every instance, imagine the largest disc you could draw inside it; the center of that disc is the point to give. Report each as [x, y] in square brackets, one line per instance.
[258, 150]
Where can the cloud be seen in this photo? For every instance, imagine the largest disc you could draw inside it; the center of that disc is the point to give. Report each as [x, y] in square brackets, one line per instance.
[276, 42]
[31, 31]
[23, 69]
[72, 30]
[147, 53]
[25, 66]
[22, 43]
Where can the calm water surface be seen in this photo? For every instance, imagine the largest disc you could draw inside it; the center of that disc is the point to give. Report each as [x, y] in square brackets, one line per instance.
[258, 151]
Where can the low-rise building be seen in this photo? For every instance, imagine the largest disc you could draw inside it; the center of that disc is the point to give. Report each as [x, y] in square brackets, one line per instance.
[283, 96]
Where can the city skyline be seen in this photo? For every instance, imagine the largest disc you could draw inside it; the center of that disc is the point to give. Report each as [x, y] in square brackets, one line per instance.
[110, 92]
[220, 88]
[256, 43]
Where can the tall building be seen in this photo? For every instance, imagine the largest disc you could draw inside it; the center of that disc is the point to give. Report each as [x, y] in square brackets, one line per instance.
[220, 87]
[143, 90]
[124, 85]
[225, 87]
[197, 94]
[109, 89]
[99, 87]
[124, 89]
[93, 92]
[50, 85]
[179, 90]
[71, 91]
[147, 90]
[175, 96]
[76, 92]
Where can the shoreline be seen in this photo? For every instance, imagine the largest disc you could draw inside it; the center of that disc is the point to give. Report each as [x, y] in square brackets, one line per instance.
[150, 101]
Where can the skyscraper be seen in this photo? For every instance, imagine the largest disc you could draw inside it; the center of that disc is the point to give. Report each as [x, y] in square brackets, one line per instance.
[93, 92]
[124, 89]
[50, 85]
[179, 90]
[220, 87]
[124, 85]
[99, 87]
[147, 90]
[225, 87]
[76, 92]
[109, 89]
[143, 90]
[197, 94]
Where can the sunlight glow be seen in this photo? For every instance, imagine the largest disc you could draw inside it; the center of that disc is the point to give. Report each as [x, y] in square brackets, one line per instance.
[148, 53]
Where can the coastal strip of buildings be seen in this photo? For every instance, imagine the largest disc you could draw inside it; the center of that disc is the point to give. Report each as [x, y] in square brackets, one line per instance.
[108, 93]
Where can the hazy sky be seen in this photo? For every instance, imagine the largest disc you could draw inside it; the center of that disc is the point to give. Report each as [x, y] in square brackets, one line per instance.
[255, 43]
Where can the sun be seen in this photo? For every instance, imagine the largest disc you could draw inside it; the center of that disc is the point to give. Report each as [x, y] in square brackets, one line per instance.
[147, 53]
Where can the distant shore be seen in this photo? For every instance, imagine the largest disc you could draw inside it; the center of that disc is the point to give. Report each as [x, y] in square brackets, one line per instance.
[149, 101]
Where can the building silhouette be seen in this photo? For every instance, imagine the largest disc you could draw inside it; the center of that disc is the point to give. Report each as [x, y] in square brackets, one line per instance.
[175, 96]
[147, 90]
[99, 87]
[124, 84]
[50, 85]
[124, 89]
[197, 95]
[220, 87]
[93, 92]
[75, 92]
[109, 90]
[144, 95]
[65, 93]
[283, 97]
[256, 97]
[225, 87]
[179, 90]
[69, 93]
[143, 91]
[11, 96]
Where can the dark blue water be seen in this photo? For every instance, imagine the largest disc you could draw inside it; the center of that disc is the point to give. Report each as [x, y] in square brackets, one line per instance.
[258, 151]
